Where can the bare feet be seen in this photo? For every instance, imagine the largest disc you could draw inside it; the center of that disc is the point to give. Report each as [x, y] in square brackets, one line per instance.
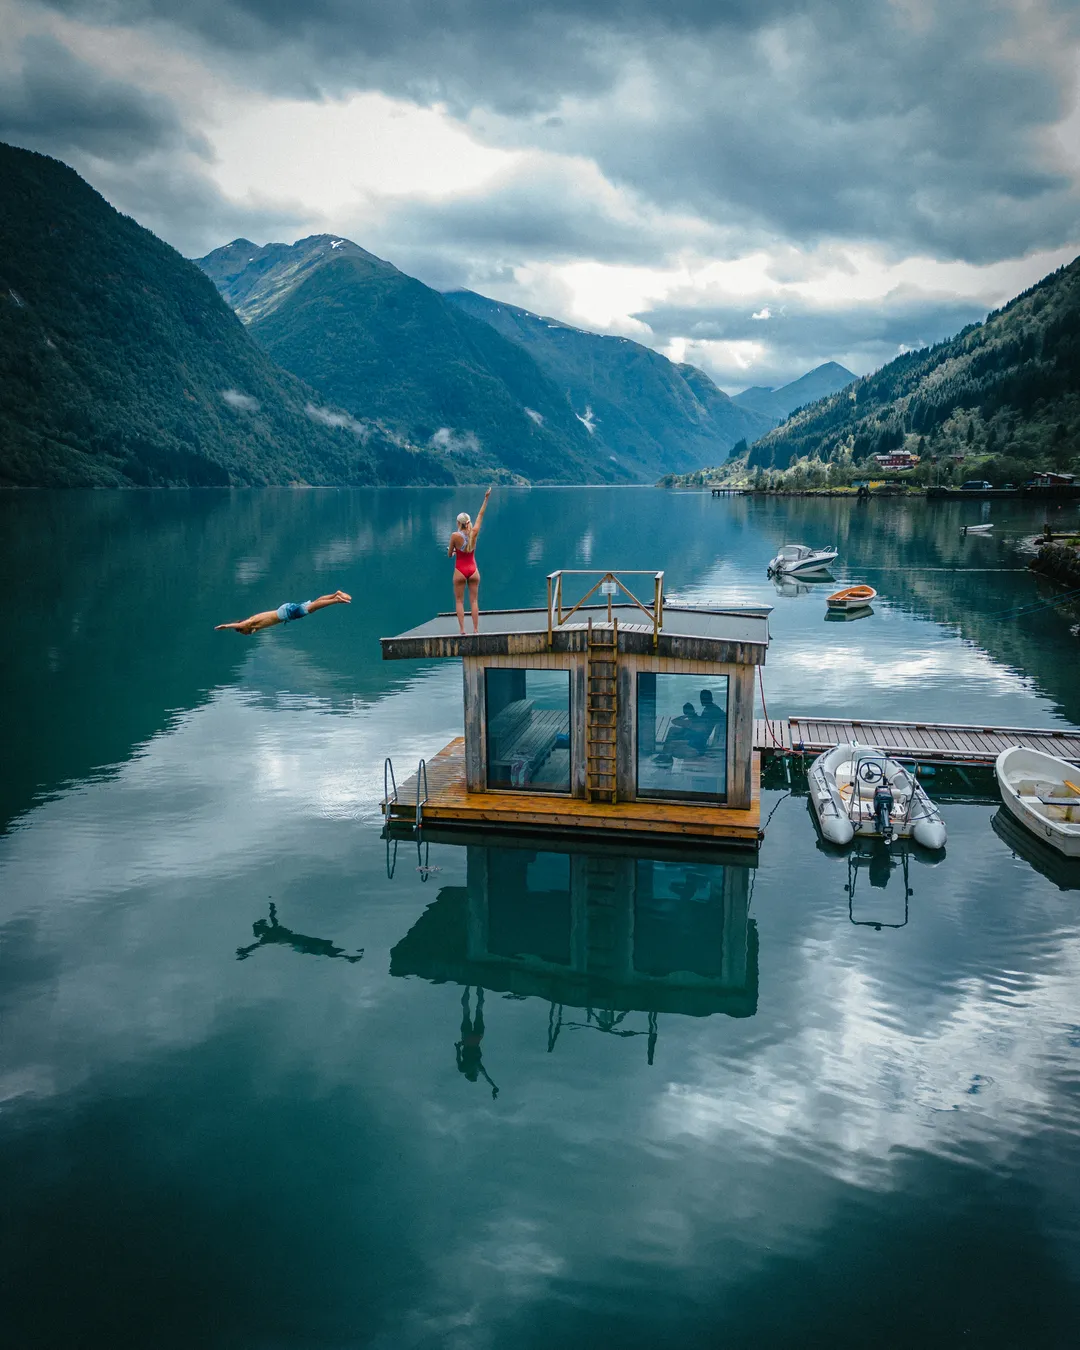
[344, 597]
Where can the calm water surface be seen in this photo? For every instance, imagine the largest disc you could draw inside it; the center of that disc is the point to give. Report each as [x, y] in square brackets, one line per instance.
[256, 1091]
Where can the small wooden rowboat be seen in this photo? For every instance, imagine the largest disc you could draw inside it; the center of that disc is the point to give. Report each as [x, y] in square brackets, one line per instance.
[1042, 792]
[852, 597]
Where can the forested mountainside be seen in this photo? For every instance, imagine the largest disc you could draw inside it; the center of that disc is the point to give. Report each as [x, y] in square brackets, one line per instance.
[1004, 393]
[121, 365]
[395, 352]
[779, 404]
[650, 414]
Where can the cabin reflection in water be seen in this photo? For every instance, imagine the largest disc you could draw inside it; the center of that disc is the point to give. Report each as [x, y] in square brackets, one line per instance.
[597, 931]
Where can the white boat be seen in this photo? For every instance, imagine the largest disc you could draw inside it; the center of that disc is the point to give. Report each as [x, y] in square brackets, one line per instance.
[858, 790]
[975, 529]
[1043, 793]
[797, 558]
[851, 597]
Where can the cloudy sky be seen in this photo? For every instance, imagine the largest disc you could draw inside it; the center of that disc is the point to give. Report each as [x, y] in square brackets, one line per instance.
[752, 185]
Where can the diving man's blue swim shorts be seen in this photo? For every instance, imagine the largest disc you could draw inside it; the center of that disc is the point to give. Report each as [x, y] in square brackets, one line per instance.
[291, 610]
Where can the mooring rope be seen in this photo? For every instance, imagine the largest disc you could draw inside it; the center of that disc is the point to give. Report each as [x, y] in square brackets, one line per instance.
[764, 709]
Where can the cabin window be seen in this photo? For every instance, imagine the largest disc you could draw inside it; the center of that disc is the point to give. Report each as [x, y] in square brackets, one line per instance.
[528, 729]
[682, 737]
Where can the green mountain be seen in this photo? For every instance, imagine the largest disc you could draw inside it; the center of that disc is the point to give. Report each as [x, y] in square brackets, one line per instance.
[120, 364]
[1002, 397]
[779, 404]
[650, 415]
[400, 357]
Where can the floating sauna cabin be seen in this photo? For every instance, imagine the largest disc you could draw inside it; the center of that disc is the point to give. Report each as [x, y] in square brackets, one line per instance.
[623, 715]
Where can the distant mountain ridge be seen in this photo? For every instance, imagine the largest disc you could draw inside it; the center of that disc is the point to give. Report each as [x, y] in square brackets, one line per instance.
[1006, 390]
[396, 354]
[778, 404]
[651, 415]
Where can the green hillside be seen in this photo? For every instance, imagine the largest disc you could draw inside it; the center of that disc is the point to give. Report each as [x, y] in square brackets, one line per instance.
[999, 400]
[396, 353]
[650, 415]
[121, 365]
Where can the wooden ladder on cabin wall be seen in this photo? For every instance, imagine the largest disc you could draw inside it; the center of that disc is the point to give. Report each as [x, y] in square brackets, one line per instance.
[601, 706]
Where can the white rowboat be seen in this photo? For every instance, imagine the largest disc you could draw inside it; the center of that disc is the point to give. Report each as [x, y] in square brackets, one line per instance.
[858, 790]
[851, 597]
[1042, 792]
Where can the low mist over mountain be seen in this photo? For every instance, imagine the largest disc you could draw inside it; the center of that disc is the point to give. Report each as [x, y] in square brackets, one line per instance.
[1006, 390]
[779, 404]
[396, 353]
[121, 365]
[652, 415]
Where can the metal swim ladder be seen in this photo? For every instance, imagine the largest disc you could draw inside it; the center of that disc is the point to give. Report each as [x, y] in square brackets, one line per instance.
[390, 790]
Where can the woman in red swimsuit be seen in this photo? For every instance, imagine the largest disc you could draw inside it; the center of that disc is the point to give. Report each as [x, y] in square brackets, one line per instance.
[462, 548]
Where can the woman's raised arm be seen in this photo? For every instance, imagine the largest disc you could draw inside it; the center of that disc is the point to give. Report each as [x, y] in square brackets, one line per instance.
[479, 519]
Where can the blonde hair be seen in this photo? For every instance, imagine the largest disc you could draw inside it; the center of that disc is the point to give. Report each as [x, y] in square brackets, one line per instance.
[464, 520]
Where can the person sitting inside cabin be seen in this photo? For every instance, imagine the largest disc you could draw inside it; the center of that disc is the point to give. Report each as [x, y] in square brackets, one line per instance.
[709, 711]
[688, 734]
[286, 613]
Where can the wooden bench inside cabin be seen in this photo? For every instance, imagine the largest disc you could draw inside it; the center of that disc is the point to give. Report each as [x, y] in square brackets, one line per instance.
[523, 734]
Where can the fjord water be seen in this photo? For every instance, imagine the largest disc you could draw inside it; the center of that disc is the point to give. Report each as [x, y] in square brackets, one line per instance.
[226, 1124]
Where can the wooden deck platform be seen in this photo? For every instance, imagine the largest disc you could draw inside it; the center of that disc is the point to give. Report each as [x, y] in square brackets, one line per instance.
[922, 742]
[449, 804]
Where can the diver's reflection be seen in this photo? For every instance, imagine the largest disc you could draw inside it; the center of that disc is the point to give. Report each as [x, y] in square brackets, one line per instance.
[269, 931]
[467, 1050]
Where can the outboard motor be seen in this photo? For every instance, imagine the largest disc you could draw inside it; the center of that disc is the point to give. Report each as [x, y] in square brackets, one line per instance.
[883, 805]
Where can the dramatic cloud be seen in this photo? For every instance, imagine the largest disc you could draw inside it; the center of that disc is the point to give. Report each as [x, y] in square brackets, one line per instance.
[595, 159]
[860, 336]
[921, 123]
[57, 103]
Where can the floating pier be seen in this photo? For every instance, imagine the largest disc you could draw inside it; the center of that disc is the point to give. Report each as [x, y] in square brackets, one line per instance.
[915, 742]
[441, 795]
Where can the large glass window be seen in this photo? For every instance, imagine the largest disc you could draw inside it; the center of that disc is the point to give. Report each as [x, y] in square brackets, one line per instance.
[528, 729]
[682, 737]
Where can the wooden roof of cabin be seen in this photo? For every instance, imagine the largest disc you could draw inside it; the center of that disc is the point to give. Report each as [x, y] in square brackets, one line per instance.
[729, 636]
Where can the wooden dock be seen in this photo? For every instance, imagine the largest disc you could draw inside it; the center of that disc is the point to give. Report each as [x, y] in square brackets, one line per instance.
[919, 742]
[449, 804]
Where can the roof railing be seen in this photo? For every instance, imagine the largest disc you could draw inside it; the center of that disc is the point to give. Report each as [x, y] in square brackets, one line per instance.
[608, 584]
